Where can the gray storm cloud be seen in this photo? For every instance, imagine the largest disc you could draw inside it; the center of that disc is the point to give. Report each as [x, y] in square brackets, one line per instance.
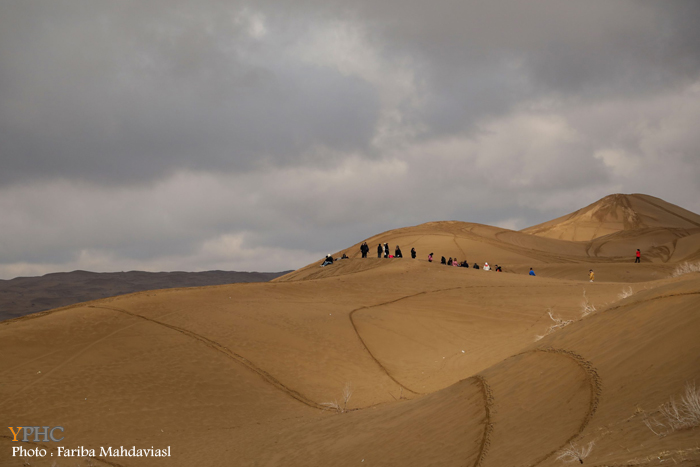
[258, 136]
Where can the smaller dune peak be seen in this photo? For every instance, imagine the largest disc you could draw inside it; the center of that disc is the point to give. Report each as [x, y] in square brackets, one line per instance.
[615, 213]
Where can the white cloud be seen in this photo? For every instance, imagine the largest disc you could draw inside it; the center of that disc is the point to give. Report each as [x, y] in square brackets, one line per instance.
[346, 46]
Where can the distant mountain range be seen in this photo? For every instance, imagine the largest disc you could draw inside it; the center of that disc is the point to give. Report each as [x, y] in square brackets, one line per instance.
[24, 295]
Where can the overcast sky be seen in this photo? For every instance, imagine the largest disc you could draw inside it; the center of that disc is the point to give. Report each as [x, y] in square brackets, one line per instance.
[166, 135]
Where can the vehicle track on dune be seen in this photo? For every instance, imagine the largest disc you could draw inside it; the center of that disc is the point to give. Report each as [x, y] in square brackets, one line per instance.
[488, 423]
[594, 380]
[228, 353]
[596, 388]
[389, 302]
[364, 344]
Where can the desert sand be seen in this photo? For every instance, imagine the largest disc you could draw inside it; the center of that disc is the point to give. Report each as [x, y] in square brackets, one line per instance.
[446, 366]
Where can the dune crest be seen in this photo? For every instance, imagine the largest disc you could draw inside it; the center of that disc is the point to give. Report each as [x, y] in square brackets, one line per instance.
[616, 213]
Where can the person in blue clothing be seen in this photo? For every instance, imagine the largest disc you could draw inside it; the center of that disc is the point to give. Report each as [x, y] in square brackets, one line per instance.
[532, 273]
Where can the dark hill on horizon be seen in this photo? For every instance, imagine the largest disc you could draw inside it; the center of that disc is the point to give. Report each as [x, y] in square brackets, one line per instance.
[24, 295]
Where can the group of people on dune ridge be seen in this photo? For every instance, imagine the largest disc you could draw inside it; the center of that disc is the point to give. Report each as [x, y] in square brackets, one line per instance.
[383, 251]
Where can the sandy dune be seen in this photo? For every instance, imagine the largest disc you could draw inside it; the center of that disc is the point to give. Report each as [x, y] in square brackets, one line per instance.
[616, 213]
[447, 366]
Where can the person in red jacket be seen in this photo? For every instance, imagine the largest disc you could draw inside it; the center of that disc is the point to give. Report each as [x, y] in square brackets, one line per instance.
[638, 259]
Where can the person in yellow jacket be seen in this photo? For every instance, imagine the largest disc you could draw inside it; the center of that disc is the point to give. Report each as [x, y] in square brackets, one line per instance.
[591, 276]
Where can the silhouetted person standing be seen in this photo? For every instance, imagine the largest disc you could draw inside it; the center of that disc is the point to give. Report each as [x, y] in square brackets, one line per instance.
[413, 253]
[379, 250]
[364, 249]
[386, 250]
[638, 258]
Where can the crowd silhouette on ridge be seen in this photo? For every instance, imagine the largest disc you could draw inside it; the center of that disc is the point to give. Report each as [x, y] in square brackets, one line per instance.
[384, 251]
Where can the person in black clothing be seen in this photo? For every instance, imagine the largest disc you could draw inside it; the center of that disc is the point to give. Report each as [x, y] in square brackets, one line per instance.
[443, 260]
[379, 250]
[386, 250]
[449, 261]
[476, 266]
[327, 261]
[413, 253]
[397, 252]
[364, 249]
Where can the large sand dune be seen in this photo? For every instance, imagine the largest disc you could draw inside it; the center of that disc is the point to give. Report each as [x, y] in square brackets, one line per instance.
[447, 366]
[616, 213]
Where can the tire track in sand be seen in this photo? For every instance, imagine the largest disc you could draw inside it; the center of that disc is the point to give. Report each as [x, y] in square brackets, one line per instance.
[488, 423]
[230, 354]
[596, 387]
[367, 307]
[364, 344]
[595, 383]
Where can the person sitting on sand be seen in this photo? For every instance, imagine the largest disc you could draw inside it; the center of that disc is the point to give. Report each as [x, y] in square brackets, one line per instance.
[532, 273]
[591, 276]
[638, 258]
[498, 268]
[327, 261]
[344, 256]
[455, 262]
[430, 258]
[449, 261]
[413, 253]
[397, 252]
[476, 266]
[487, 267]
[443, 260]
